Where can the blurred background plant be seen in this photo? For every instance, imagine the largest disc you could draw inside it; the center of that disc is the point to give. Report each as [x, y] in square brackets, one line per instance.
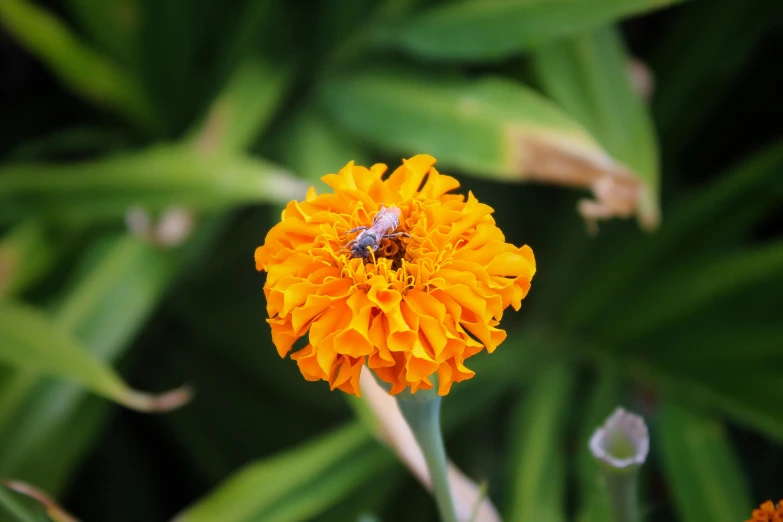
[147, 147]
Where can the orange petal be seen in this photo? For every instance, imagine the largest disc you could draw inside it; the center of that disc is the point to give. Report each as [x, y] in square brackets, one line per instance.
[408, 177]
[334, 319]
[385, 299]
[468, 299]
[283, 335]
[437, 185]
[353, 343]
[308, 365]
[444, 379]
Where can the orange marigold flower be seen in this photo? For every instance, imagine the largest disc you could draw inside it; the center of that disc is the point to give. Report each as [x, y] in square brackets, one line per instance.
[420, 305]
[768, 512]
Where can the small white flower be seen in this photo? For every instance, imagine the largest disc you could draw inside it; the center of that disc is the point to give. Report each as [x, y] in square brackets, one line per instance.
[171, 229]
[622, 443]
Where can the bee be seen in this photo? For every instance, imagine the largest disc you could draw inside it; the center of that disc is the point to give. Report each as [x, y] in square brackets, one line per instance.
[369, 238]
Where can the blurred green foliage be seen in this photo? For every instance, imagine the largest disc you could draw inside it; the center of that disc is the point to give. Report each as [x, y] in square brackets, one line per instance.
[229, 110]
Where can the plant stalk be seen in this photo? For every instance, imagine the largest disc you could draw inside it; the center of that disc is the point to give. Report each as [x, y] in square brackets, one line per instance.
[424, 419]
[623, 496]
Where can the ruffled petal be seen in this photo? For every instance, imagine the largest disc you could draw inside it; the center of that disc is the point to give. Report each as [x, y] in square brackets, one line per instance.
[425, 300]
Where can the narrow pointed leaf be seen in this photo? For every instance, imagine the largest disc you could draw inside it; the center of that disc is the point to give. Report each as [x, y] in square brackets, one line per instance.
[79, 140]
[53, 510]
[29, 339]
[587, 75]
[491, 29]
[748, 190]
[243, 108]
[696, 285]
[705, 477]
[312, 147]
[722, 342]
[153, 179]
[46, 425]
[493, 127]
[26, 253]
[342, 483]
[748, 393]
[271, 484]
[114, 24]
[538, 482]
[11, 506]
[81, 68]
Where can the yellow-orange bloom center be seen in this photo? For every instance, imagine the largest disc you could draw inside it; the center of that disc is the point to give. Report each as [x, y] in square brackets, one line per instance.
[420, 305]
[768, 512]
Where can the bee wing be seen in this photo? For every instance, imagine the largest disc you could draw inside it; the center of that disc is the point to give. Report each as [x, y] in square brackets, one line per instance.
[379, 214]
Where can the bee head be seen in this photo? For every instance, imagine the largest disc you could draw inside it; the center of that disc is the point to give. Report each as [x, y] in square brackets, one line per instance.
[361, 248]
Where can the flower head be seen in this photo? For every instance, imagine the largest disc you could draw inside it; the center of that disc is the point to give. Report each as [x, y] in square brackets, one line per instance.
[768, 512]
[420, 304]
[622, 443]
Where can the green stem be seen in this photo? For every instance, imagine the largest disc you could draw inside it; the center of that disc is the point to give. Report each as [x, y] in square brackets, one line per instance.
[622, 490]
[424, 419]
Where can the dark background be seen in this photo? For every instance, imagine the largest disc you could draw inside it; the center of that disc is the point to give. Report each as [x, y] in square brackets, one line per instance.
[717, 102]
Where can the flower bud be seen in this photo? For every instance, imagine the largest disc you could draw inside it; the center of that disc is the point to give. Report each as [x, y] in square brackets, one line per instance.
[622, 443]
[621, 446]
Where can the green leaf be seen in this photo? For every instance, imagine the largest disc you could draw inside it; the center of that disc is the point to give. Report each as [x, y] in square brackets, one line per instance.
[312, 147]
[327, 468]
[254, 19]
[48, 449]
[538, 483]
[699, 219]
[26, 253]
[492, 127]
[372, 464]
[153, 179]
[78, 140]
[687, 289]
[704, 473]
[174, 67]
[587, 75]
[31, 340]
[13, 507]
[594, 503]
[114, 24]
[492, 29]
[746, 393]
[52, 509]
[244, 107]
[81, 68]
[749, 191]
[723, 341]
[368, 517]
[354, 35]
[47, 425]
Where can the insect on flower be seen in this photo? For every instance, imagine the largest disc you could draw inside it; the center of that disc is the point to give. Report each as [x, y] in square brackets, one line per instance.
[420, 309]
[369, 238]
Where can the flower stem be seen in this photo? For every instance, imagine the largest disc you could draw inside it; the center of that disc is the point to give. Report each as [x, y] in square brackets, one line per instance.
[424, 419]
[623, 495]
